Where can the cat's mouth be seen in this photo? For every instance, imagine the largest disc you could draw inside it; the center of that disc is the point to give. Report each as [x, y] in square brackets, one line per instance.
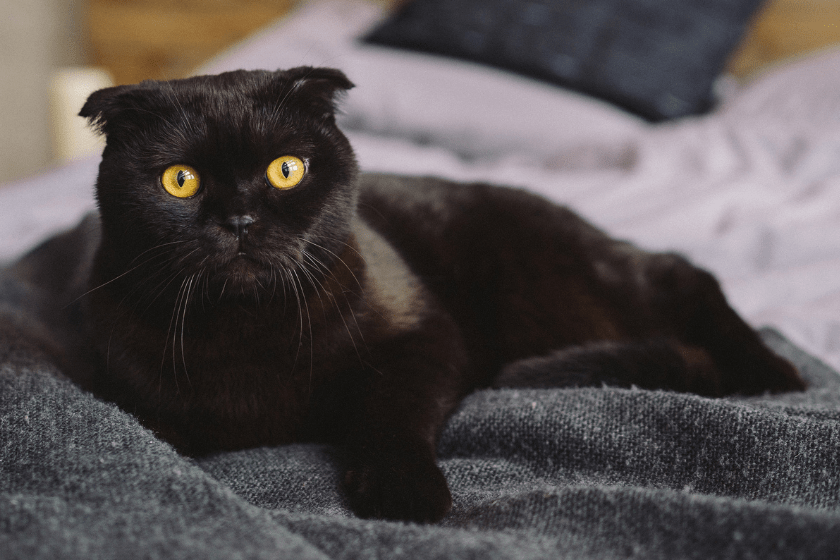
[243, 260]
[239, 275]
[248, 270]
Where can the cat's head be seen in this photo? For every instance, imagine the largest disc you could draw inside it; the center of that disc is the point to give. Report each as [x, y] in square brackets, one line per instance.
[233, 175]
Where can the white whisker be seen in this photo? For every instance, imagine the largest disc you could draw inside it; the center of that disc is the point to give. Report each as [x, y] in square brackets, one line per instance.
[130, 270]
[174, 319]
[317, 263]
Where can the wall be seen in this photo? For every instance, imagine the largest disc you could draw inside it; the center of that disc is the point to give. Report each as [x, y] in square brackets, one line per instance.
[36, 36]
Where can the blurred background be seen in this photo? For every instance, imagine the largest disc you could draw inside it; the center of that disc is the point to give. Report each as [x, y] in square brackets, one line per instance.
[55, 51]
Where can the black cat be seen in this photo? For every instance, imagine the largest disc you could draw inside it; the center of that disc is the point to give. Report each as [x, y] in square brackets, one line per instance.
[250, 288]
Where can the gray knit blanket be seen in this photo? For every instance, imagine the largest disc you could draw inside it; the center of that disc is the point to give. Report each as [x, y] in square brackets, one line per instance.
[572, 473]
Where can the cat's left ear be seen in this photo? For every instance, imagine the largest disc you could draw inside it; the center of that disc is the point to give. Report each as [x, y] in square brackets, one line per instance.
[317, 88]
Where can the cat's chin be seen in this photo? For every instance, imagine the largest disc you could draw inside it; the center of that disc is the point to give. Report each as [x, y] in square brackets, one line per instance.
[242, 275]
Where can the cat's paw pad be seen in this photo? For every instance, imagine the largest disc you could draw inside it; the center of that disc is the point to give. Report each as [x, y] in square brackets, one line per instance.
[399, 488]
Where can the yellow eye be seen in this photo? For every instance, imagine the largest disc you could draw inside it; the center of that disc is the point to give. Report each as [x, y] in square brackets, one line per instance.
[285, 172]
[181, 181]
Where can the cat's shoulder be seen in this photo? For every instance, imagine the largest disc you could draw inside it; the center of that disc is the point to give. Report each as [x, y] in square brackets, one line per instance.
[390, 286]
[441, 200]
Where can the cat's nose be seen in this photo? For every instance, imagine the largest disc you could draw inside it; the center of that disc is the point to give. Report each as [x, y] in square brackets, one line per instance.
[239, 224]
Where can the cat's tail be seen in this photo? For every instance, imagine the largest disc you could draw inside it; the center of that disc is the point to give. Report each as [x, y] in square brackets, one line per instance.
[659, 363]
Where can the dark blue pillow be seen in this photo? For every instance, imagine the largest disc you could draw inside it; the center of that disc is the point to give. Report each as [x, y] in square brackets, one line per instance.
[657, 58]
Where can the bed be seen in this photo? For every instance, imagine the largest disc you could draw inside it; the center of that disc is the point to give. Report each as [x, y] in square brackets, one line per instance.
[747, 184]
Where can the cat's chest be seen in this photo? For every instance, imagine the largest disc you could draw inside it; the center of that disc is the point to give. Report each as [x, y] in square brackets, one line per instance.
[250, 351]
[230, 381]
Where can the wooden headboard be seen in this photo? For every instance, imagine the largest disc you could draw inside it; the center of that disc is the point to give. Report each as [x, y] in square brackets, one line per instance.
[163, 39]
[784, 29]
[139, 39]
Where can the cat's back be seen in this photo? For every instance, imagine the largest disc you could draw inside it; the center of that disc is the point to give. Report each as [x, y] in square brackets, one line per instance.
[503, 261]
[437, 224]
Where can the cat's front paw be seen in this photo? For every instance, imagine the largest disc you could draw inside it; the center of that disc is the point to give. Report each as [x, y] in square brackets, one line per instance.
[782, 376]
[403, 487]
[762, 371]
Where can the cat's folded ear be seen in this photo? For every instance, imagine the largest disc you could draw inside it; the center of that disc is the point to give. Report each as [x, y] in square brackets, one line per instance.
[317, 88]
[104, 104]
[313, 89]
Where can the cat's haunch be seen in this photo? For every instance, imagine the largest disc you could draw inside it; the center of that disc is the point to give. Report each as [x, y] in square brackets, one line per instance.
[251, 288]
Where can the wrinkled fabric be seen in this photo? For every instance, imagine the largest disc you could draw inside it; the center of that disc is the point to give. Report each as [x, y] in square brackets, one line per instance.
[571, 473]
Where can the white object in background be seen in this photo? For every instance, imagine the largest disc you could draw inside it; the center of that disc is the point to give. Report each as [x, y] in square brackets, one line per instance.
[69, 89]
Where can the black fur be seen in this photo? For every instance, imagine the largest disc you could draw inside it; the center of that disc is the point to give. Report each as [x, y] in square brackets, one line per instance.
[359, 309]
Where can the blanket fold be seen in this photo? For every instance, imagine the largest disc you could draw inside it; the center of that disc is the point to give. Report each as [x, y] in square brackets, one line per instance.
[559, 473]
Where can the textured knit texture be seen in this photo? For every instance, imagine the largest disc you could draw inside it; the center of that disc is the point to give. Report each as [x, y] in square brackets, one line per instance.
[583, 473]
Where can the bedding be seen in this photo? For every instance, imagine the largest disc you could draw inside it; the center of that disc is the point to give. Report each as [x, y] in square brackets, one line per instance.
[751, 191]
[658, 58]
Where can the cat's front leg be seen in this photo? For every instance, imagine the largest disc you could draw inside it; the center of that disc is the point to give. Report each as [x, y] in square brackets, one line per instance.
[396, 479]
[390, 450]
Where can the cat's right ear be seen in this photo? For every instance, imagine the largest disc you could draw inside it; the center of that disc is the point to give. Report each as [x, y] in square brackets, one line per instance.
[103, 105]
